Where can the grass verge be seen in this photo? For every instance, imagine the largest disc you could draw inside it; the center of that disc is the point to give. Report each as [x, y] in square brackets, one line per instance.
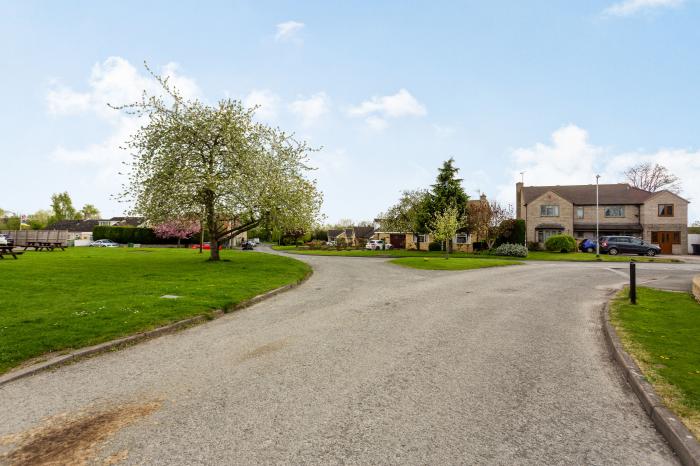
[439, 263]
[662, 334]
[533, 255]
[57, 301]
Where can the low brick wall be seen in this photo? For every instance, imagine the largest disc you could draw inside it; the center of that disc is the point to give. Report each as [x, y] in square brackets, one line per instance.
[696, 287]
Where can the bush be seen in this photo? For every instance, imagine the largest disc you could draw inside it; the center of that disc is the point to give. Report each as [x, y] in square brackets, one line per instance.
[508, 249]
[513, 232]
[435, 246]
[560, 243]
[534, 246]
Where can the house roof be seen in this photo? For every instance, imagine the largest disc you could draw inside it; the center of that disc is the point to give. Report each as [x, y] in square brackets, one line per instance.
[363, 232]
[620, 193]
[74, 225]
[127, 221]
[334, 233]
[549, 226]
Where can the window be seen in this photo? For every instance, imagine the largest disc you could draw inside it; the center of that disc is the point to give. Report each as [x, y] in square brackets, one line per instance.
[462, 238]
[422, 238]
[579, 213]
[615, 211]
[673, 237]
[676, 237]
[665, 210]
[549, 211]
[543, 235]
[655, 237]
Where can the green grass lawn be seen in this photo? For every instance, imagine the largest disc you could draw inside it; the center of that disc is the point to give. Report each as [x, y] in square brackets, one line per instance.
[662, 332]
[54, 301]
[456, 263]
[533, 255]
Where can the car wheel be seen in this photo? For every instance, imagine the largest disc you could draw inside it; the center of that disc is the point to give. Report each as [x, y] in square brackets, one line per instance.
[612, 251]
[589, 249]
[651, 252]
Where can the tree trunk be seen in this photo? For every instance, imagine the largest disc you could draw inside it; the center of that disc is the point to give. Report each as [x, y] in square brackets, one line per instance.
[212, 227]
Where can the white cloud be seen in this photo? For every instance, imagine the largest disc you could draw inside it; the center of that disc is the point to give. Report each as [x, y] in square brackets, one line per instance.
[398, 105]
[266, 101]
[378, 109]
[311, 109]
[117, 82]
[630, 7]
[570, 158]
[288, 30]
[443, 131]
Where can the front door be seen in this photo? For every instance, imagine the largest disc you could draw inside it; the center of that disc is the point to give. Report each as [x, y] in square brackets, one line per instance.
[666, 241]
[397, 241]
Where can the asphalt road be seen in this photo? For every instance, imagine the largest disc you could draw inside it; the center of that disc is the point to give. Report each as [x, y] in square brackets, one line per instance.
[365, 363]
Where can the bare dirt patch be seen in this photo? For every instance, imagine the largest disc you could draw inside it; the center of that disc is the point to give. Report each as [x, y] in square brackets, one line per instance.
[72, 439]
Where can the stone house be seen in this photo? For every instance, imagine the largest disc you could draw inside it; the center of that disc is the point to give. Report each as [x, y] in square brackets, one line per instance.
[659, 217]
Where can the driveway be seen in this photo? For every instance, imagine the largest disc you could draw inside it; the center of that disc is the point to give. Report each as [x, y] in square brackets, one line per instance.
[365, 363]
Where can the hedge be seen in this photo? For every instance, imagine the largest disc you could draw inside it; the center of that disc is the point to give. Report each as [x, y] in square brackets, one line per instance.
[125, 235]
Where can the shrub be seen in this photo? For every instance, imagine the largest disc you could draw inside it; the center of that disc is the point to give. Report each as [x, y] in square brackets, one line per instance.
[512, 231]
[560, 243]
[509, 249]
[534, 246]
[435, 246]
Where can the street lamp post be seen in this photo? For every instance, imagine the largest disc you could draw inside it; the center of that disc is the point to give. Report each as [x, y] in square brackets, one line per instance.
[597, 214]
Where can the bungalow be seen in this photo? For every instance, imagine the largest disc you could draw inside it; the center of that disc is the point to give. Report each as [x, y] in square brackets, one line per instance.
[352, 236]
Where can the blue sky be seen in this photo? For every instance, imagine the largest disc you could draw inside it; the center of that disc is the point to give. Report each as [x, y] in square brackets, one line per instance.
[559, 89]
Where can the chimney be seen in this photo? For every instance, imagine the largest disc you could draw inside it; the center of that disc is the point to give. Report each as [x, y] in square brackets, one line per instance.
[518, 199]
[483, 197]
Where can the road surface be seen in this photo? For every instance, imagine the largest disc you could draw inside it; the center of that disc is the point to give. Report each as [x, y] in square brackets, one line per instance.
[366, 363]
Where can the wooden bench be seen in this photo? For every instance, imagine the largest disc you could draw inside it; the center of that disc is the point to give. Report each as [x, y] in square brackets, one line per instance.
[47, 245]
[9, 251]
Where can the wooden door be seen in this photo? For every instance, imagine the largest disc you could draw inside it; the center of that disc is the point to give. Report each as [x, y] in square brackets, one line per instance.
[666, 242]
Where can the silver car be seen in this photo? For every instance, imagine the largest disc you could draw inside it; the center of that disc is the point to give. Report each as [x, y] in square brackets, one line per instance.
[104, 243]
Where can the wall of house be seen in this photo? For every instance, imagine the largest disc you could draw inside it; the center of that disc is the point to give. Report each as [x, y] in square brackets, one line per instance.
[679, 222]
[565, 218]
[632, 215]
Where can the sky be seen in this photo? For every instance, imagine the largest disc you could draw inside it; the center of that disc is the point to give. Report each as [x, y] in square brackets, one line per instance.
[559, 90]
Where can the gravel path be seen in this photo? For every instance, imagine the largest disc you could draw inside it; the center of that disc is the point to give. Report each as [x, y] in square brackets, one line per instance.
[367, 363]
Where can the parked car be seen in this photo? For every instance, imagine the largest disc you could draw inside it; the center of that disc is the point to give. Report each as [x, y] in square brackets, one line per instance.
[247, 245]
[104, 243]
[330, 244]
[377, 244]
[4, 241]
[614, 245]
[205, 246]
[587, 245]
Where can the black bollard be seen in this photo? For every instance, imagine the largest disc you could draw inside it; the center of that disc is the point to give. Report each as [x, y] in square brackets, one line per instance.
[633, 283]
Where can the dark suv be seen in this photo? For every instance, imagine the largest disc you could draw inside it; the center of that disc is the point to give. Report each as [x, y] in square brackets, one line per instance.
[614, 245]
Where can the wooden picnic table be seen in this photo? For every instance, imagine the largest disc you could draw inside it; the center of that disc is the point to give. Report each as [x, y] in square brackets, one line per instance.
[47, 245]
[6, 250]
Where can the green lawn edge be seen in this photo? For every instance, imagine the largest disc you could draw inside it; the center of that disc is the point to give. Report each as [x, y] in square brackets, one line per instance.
[533, 255]
[453, 263]
[63, 301]
[661, 332]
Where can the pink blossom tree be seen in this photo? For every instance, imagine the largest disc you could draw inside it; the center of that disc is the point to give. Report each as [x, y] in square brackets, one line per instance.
[177, 228]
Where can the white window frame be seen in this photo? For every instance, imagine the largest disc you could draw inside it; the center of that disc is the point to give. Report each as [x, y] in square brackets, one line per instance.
[580, 212]
[422, 238]
[545, 208]
[543, 235]
[462, 236]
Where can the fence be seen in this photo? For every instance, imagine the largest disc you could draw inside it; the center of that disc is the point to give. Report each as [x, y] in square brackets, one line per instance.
[22, 236]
